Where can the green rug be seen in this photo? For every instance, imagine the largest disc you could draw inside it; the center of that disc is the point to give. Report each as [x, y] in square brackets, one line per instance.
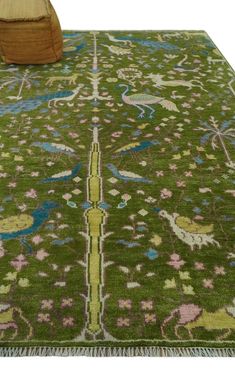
[117, 223]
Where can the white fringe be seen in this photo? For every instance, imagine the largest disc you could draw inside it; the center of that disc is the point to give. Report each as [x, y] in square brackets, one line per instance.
[117, 351]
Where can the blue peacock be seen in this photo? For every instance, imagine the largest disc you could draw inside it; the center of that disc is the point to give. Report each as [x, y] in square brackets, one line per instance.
[64, 175]
[53, 147]
[127, 175]
[33, 103]
[135, 147]
[156, 45]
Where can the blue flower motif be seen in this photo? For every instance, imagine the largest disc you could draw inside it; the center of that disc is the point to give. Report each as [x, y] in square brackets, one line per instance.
[197, 210]
[141, 228]
[205, 202]
[198, 160]
[151, 254]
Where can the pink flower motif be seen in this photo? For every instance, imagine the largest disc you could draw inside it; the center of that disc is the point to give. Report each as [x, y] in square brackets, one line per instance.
[47, 304]
[199, 266]
[117, 134]
[121, 321]
[73, 135]
[208, 283]
[198, 217]
[219, 270]
[176, 261]
[180, 184]
[125, 304]
[177, 135]
[186, 105]
[37, 239]
[34, 173]
[49, 128]
[166, 193]
[66, 302]
[22, 207]
[188, 174]
[157, 128]
[175, 257]
[68, 321]
[41, 254]
[146, 305]
[12, 184]
[31, 193]
[159, 173]
[43, 317]
[19, 168]
[19, 262]
[150, 318]
[173, 167]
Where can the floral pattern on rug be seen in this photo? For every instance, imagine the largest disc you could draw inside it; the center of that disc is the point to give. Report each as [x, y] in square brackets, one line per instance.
[117, 193]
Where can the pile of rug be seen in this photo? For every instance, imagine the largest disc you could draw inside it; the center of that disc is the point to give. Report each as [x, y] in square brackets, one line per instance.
[117, 225]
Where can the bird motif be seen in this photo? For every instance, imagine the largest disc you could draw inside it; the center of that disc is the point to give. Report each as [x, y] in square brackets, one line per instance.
[135, 147]
[54, 148]
[25, 224]
[190, 232]
[34, 103]
[144, 100]
[155, 45]
[127, 175]
[117, 50]
[64, 175]
[117, 40]
[73, 48]
[182, 67]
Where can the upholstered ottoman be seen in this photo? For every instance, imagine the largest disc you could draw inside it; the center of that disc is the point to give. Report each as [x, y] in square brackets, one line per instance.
[30, 32]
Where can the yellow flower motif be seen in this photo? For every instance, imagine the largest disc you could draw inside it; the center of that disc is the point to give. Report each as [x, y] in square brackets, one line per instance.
[107, 65]
[5, 289]
[23, 282]
[210, 156]
[156, 240]
[5, 155]
[188, 290]
[192, 166]
[186, 152]
[176, 156]
[170, 284]
[184, 275]
[111, 80]
[200, 148]
[10, 276]
[18, 158]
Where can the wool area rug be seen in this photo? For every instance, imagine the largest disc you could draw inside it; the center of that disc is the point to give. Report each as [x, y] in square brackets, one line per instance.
[117, 224]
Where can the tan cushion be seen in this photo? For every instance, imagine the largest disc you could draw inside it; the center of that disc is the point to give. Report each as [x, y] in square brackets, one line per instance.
[33, 40]
[20, 10]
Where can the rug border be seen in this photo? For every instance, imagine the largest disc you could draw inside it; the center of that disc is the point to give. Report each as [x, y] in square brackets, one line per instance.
[151, 351]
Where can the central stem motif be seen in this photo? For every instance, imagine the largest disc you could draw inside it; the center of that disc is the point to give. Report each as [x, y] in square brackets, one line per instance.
[95, 219]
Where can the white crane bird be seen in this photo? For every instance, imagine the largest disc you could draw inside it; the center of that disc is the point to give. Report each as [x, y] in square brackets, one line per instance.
[144, 100]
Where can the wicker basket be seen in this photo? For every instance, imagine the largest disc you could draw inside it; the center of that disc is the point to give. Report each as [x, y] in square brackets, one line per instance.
[30, 32]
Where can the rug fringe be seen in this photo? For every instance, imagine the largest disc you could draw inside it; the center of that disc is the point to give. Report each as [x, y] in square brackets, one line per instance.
[117, 351]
